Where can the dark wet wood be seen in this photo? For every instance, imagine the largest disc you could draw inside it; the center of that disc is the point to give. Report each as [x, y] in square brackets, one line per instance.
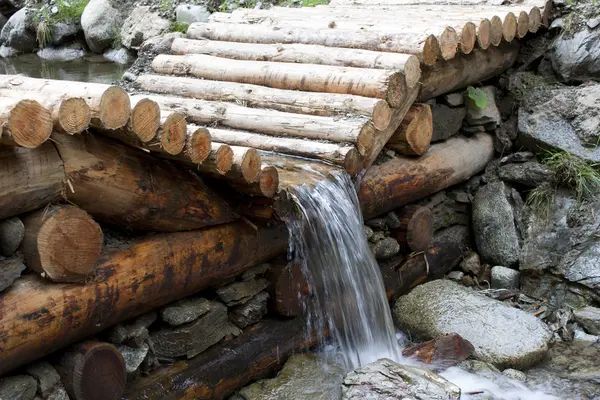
[443, 352]
[416, 229]
[288, 287]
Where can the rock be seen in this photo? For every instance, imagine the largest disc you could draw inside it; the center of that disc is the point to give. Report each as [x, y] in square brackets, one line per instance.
[454, 99]
[134, 333]
[190, 13]
[120, 56]
[20, 387]
[251, 312]
[385, 379]
[142, 25]
[45, 375]
[133, 356]
[3, 21]
[471, 130]
[368, 232]
[518, 157]
[489, 115]
[255, 272]
[377, 224]
[386, 248]
[18, 31]
[185, 311]
[471, 264]
[456, 276]
[100, 23]
[191, 339]
[59, 393]
[10, 270]
[514, 374]
[593, 23]
[62, 31]
[442, 306]
[377, 236]
[446, 121]
[589, 318]
[304, 376]
[392, 221]
[241, 292]
[505, 278]
[159, 44]
[577, 57]
[530, 173]
[444, 351]
[502, 143]
[579, 335]
[494, 226]
[565, 119]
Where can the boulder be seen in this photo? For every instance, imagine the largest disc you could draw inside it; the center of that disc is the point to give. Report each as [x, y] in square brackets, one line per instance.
[241, 292]
[589, 318]
[565, 119]
[446, 121]
[488, 115]
[100, 23]
[505, 278]
[442, 306]
[120, 56]
[576, 57]
[45, 375]
[142, 25]
[251, 312]
[18, 32]
[62, 31]
[159, 44]
[385, 379]
[190, 13]
[20, 387]
[185, 311]
[494, 225]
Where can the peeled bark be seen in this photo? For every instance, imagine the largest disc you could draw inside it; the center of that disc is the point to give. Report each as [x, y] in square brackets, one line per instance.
[408, 64]
[129, 281]
[29, 179]
[378, 83]
[256, 96]
[93, 370]
[25, 123]
[12, 231]
[62, 243]
[123, 186]
[404, 180]
[416, 228]
[413, 137]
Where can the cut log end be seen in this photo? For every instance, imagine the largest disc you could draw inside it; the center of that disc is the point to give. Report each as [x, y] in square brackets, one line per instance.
[431, 50]
[522, 24]
[353, 162]
[115, 108]
[448, 43]
[223, 158]
[382, 114]
[468, 37]
[198, 145]
[268, 181]
[145, 119]
[366, 139]
[289, 286]
[509, 27]
[535, 19]
[484, 34]
[413, 136]
[30, 124]
[396, 90]
[74, 116]
[416, 230]
[247, 163]
[496, 30]
[412, 71]
[173, 133]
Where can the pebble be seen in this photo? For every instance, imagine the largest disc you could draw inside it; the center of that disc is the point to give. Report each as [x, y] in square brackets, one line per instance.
[514, 374]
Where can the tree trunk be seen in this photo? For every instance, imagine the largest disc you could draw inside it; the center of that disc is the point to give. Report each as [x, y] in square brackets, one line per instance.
[404, 180]
[408, 64]
[62, 243]
[129, 281]
[416, 229]
[12, 231]
[413, 137]
[255, 96]
[123, 186]
[462, 71]
[92, 370]
[29, 179]
[25, 123]
[274, 123]
[378, 83]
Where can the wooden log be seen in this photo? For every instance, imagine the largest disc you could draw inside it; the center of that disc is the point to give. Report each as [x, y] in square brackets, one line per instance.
[522, 24]
[345, 156]
[92, 370]
[416, 229]
[484, 34]
[497, 30]
[256, 96]
[149, 194]
[198, 144]
[25, 123]
[288, 286]
[535, 19]
[413, 137]
[220, 159]
[266, 185]
[378, 83]
[408, 64]
[509, 27]
[12, 231]
[462, 71]
[404, 180]
[62, 243]
[467, 38]
[246, 165]
[443, 352]
[29, 179]
[129, 281]
[145, 119]
[351, 130]
[426, 47]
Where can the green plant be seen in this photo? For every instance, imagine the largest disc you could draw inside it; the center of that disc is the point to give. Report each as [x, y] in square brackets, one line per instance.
[541, 199]
[166, 5]
[43, 34]
[476, 97]
[574, 172]
[116, 44]
[180, 27]
[69, 11]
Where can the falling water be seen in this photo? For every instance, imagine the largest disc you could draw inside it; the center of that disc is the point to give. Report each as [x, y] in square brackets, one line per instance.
[348, 292]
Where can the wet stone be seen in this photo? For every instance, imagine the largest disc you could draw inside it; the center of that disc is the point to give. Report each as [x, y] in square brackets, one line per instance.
[133, 333]
[184, 311]
[133, 357]
[251, 312]
[530, 173]
[45, 375]
[589, 318]
[446, 121]
[392, 220]
[376, 237]
[241, 292]
[386, 248]
[368, 232]
[254, 272]
[505, 278]
[514, 374]
[20, 387]
[377, 223]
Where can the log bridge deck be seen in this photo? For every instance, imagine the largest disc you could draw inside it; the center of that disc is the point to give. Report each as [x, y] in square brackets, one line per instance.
[237, 100]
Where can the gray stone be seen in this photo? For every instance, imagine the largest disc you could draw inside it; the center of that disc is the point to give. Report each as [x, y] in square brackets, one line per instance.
[159, 44]
[133, 333]
[589, 318]
[255, 272]
[368, 232]
[514, 374]
[576, 57]
[489, 115]
[10, 270]
[494, 226]
[446, 121]
[45, 375]
[101, 24]
[392, 220]
[62, 31]
[471, 130]
[18, 31]
[185, 311]
[142, 25]
[593, 23]
[505, 278]
[20, 387]
[59, 393]
[133, 356]
[530, 173]
[376, 237]
[385, 379]
[377, 223]
[471, 264]
[120, 56]
[442, 306]
[241, 292]
[456, 276]
[454, 99]
[386, 248]
[566, 119]
[251, 312]
[190, 13]
[518, 157]
[502, 143]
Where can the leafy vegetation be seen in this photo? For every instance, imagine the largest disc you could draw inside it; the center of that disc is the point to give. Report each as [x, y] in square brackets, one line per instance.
[43, 34]
[476, 97]
[67, 11]
[179, 27]
[166, 5]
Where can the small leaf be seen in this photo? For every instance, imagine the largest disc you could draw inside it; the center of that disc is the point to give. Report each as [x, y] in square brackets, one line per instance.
[478, 97]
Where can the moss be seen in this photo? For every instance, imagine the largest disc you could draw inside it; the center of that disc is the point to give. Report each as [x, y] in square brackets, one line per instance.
[179, 27]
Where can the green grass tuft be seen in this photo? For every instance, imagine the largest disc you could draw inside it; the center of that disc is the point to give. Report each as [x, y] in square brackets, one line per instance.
[179, 27]
[43, 34]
